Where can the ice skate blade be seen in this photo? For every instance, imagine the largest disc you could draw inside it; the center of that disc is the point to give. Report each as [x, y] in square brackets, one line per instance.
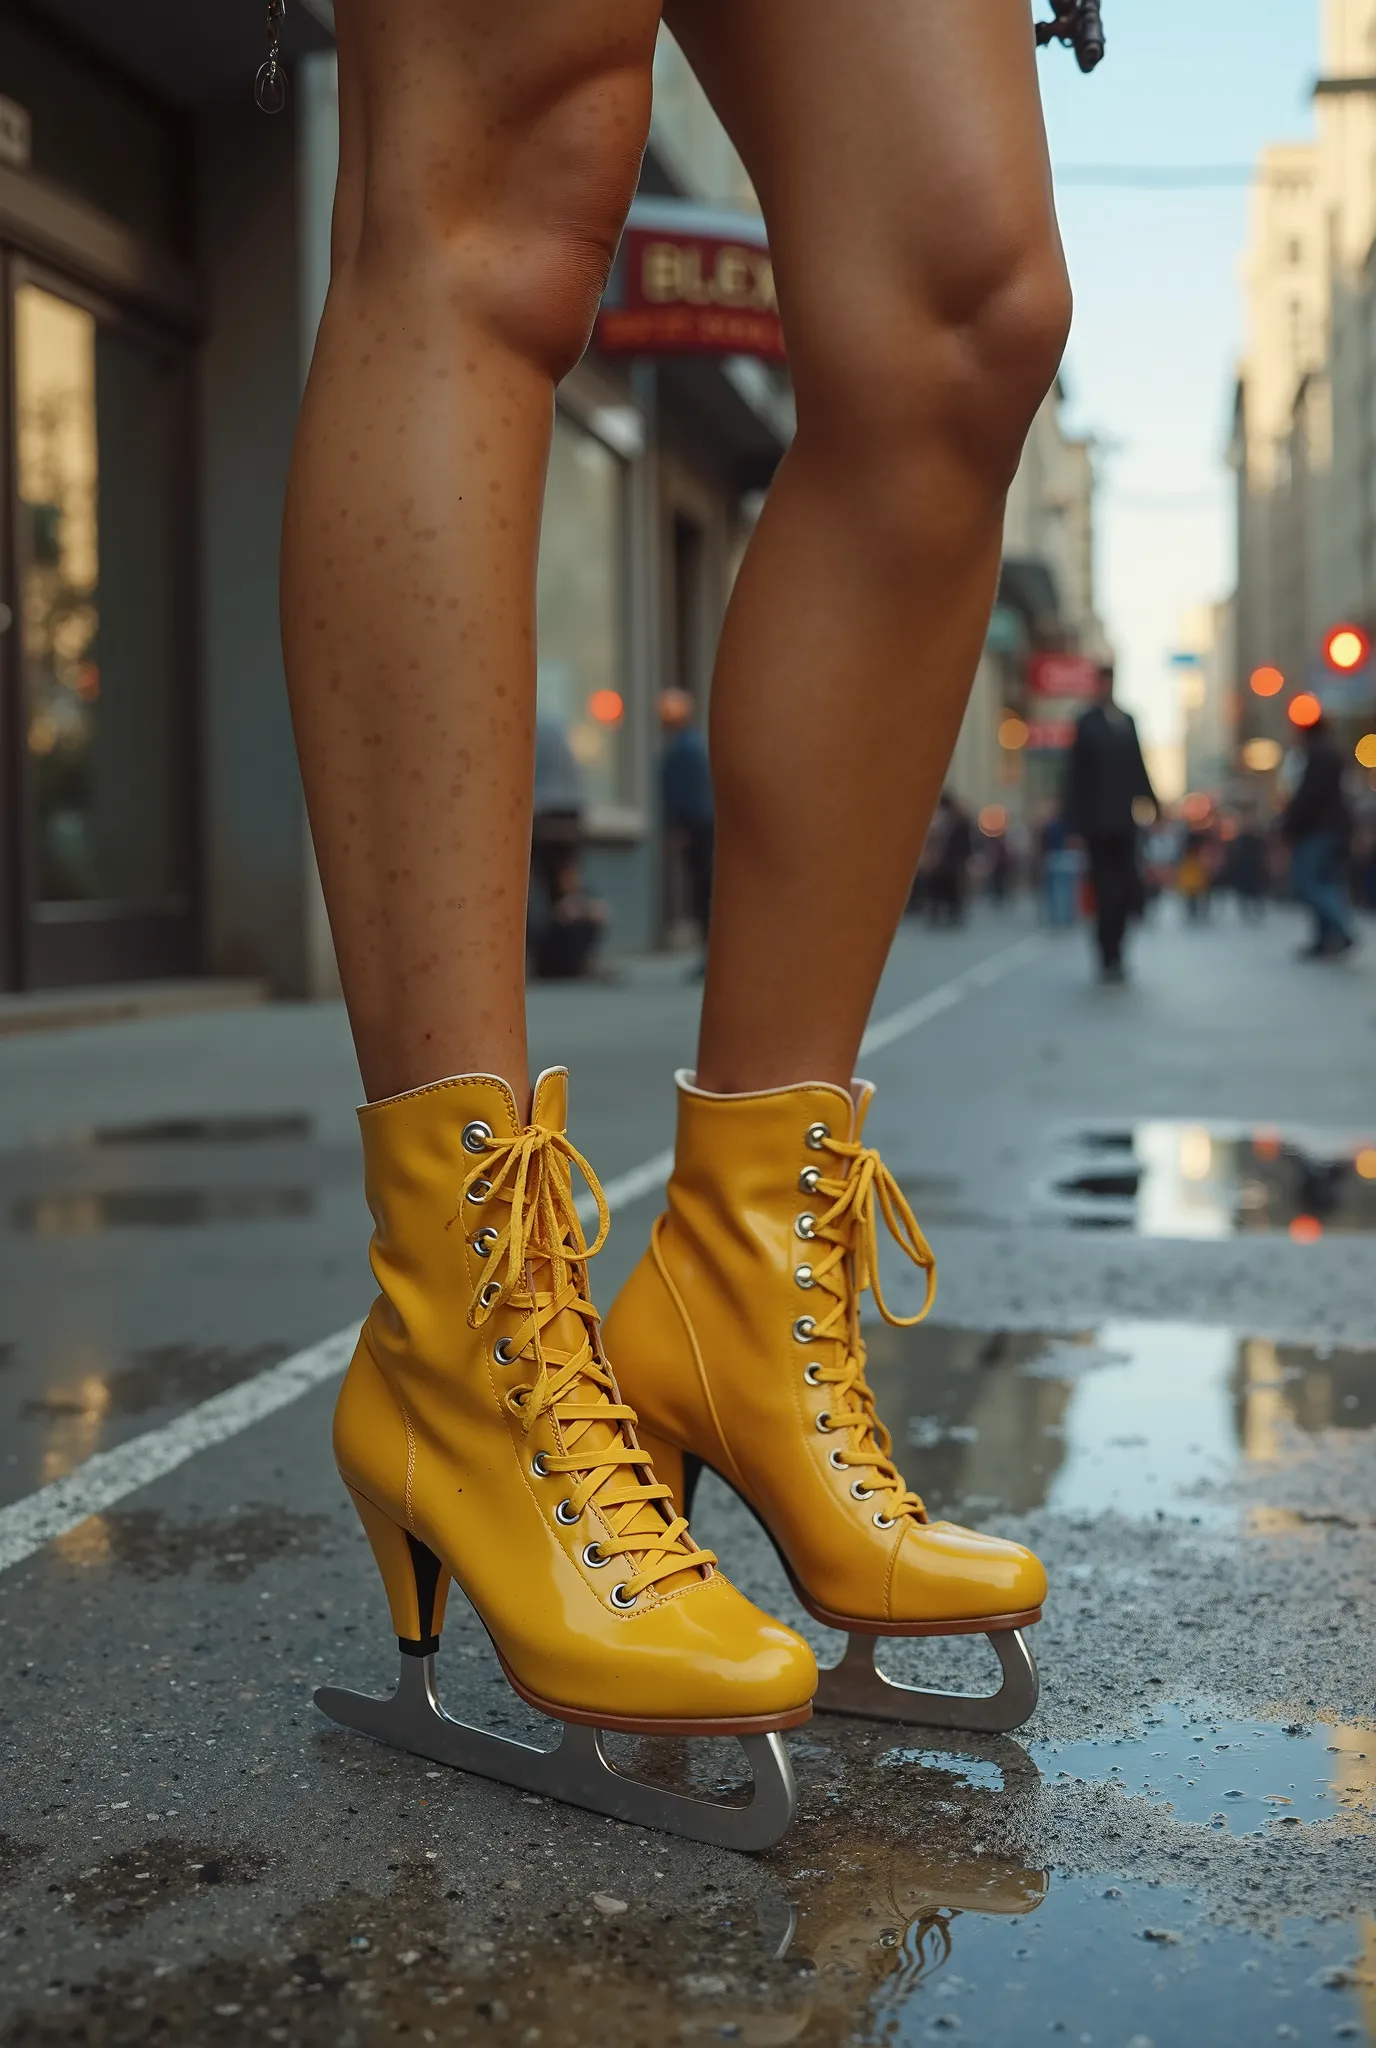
[578, 1771]
[857, 1686]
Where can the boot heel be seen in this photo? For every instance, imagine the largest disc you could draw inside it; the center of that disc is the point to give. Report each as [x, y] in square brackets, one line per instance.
[676, 1468]
[416, 1583]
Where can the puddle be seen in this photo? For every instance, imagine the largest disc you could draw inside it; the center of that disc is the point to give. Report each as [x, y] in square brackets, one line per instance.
[209, 1130]
[1137, 1418]
[160, 1376]
[84, 1213]
[152, 1545]
[1241, 1777]
[1165, 1179]
[889, 1945]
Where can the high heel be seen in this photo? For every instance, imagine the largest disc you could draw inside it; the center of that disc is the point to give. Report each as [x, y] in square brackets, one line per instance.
[482, 1437]
[737, 1338]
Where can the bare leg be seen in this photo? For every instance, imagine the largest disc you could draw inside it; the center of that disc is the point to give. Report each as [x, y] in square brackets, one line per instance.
[900, 159]
[488, 154]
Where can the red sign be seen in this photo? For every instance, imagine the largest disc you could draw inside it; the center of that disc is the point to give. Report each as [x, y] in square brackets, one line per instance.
[1063, 675]
[1050, 735]
[688, 294]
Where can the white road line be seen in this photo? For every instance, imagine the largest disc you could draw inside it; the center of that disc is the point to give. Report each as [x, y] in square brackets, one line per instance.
[26, 1525]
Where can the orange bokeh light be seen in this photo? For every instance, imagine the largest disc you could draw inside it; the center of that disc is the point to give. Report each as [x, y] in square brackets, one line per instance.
[1365, 1162]
[1306, 1229]
[1346, 648]
[1304, 710]
[993, 821]
[606, 707]
[1267, 682]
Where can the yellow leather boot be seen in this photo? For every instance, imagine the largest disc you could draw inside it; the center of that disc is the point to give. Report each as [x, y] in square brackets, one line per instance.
[738, 1341]
[483, 1439]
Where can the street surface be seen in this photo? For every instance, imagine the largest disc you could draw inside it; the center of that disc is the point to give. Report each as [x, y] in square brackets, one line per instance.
[1153, 1357]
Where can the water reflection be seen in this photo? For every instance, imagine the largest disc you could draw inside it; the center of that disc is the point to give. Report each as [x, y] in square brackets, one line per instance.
[1165, 1179]
[84, 1213]
[1138, 1418]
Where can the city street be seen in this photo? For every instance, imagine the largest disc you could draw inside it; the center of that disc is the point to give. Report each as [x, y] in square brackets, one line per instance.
[1153, 1357]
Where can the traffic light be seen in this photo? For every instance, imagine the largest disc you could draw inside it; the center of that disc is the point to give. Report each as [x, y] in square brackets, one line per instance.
[1346, 648]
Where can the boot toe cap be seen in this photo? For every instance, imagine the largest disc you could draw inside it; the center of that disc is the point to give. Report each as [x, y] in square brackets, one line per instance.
[740, 1661]
[946, 1573]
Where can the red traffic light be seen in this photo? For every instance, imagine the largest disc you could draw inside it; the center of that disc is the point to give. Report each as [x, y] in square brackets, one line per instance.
[1346, 648]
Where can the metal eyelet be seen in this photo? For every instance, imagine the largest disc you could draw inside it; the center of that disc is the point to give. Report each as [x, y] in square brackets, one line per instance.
[484, 1241]
[806, 1225]
[477, 1136]
[882, 1521]
[804, 1330]
[539, 1465]
[815, 1136]
[593, 1558]
[808, 1179]
[516, 1400]
[824, 1423]
[490, 1293]
[480, 1191]
[617, 1600]
[802, 1276]
[504, 1351]
[565, 1515]
[837, 1461]
[810, 1373]
[859, 1491]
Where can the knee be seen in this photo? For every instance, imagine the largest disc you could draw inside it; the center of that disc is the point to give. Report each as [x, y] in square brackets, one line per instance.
[517, 237]
[941, 365]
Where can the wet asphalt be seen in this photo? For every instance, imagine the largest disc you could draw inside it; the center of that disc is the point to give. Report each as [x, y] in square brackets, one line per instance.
[1165, 1381]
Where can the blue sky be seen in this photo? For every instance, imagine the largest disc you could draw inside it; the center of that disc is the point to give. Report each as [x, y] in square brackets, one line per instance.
[1158, 321]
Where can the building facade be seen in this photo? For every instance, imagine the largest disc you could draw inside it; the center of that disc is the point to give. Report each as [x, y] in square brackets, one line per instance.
[1304, 438]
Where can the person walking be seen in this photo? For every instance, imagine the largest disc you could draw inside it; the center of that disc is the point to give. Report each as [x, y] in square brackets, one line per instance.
[1107, 790]
[1060, 869]
[488, 156]
[685, 786]
[1318, 825]
[948, 877]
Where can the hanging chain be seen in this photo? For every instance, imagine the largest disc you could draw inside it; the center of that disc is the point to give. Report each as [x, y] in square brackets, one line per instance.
[270, 86]
[1078, 24]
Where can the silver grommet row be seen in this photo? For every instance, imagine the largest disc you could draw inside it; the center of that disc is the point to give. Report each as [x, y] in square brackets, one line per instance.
[810, 1373]
[816, 1136]
[477, 1136]
[837, 1461]
[824, 1422]
[593, 1558]
[504, 1351]
[882, 1521]
[480, 1191]
[803, 1276]
[808, 1179]
[618, 1600]
[566, 1515]
[859, 1490]
[804, 1330]
[539, 1465]
[806, 1225]
[484, 1241]
[490, 1293]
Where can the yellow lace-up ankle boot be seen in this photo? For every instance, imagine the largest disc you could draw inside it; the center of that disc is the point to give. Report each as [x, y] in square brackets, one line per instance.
[738, 1341]
[483, 1439]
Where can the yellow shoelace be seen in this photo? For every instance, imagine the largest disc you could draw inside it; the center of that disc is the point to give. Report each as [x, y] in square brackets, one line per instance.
[538, 1261]
[859, 1195]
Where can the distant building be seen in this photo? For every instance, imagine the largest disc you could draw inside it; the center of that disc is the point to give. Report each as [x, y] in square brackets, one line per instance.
[1304, 435]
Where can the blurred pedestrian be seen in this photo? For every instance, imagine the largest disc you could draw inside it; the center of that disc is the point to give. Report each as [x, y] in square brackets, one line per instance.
[1108, 793]
[1246, 871]
[1193, 875]
[1060, 868]
[564, 924]
[685, 786]
[948, 877]
[1318, 825]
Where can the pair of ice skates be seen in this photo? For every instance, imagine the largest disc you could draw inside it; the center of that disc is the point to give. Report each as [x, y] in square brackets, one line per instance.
[483, 1437]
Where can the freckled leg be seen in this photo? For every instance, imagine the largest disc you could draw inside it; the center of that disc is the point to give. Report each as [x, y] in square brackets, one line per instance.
[487, 158]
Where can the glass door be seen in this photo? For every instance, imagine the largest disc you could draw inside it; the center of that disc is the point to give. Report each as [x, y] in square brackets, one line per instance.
[100, 647]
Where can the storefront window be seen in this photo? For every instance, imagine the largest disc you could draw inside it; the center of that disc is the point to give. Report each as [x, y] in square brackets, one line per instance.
[580, 610]
[98, 418]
